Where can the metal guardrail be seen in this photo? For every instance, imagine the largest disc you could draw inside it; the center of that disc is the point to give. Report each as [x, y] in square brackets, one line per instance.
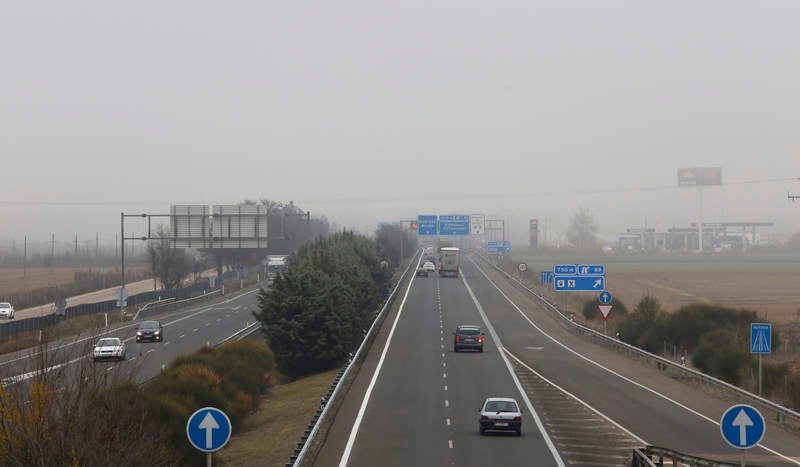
[656, 456]
[640, 459]
[313, 429]
[166, 305]
[776, 412]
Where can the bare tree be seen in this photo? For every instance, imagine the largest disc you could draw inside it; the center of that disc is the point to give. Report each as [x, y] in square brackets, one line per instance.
[170, 265]
[582, 230]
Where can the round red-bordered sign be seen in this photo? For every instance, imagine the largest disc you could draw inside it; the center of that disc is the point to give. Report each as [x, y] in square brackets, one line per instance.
[522, 267]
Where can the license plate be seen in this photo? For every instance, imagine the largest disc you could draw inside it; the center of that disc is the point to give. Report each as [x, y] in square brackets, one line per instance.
[501, 424]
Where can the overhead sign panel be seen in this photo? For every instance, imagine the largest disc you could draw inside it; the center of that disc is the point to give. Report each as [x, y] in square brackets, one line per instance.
[591, 270]
[454, 224]
[565, 269]
[477, 224]
[579, 283]
[497, 246]
[427, 225]
[700, 176]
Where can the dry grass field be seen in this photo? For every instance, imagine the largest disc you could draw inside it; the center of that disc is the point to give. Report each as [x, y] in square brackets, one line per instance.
[12, 280]
[774, 295]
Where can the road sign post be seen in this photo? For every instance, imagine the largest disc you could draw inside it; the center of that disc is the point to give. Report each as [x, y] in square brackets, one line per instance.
[760, 343]
[208, 430]
[742, 427]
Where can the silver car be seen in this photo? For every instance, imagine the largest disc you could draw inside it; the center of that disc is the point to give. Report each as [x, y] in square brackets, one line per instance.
[6, 310]
[109, 348]
[500, 414]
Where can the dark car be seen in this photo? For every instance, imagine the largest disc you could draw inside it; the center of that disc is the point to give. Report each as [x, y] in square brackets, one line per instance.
[150, 331]
[422, 272]
[468, 336]
[500, 414]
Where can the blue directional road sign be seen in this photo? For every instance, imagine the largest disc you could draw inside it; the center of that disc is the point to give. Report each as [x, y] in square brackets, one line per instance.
[497, 246]
[547, 277]
[565, 269]
[208, 429]
[760, 338]
[427, 225]
[591, 270]
[605, 298]
[579, 283]
[457, 224]
[742, 426]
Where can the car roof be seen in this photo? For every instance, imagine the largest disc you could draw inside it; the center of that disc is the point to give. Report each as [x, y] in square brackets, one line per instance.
[468, 326]
[149, 324]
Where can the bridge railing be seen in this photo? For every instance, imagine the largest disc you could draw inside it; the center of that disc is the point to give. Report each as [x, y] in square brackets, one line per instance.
[307, 440]
[775, 412]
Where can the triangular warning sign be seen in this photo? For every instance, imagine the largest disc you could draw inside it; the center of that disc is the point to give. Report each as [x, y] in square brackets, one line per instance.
[605, 310]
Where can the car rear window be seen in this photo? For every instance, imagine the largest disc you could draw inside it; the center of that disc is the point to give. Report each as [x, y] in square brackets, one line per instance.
[470, 332]
[500, 406]
[5, 305]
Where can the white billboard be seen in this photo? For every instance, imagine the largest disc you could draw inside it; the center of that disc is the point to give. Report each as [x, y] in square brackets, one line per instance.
[476, 224]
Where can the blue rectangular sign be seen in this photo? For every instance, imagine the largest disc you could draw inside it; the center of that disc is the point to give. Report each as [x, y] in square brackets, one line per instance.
[427, 225]
[499, 244]
[493, 250]
[579, 283]
[760, 338]
[565, 269]
[591, 270]
[547, 277]
[454, 225]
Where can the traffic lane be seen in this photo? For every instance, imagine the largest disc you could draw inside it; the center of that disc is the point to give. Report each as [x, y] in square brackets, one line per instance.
[471, 378]
[209, 323]
[633, 406]
[404, 421]
[358, 380]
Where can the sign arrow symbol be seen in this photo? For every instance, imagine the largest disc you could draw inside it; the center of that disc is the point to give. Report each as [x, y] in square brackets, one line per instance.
[210, 424]
[742, 421]
[598, 283]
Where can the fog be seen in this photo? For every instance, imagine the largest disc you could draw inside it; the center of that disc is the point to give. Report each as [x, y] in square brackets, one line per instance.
[380, 111]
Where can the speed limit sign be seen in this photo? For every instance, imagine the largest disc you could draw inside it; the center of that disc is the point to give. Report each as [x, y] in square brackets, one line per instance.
[522, 267]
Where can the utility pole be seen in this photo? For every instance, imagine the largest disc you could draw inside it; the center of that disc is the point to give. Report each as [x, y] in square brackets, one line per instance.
[52, 252]
[25, 257]
[76, 244]
[96, 243]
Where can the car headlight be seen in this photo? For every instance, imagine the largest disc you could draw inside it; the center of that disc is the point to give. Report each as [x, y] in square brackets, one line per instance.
[157, 332]
[138, 333]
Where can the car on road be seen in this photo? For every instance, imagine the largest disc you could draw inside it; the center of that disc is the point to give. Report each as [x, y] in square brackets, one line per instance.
[149, 331]
[429, 266]
[500, 414]
[468, 336]
[109, 348]
[422, 272]
[6, 310]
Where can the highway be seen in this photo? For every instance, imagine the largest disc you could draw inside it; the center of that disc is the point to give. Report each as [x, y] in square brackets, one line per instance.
[420, 407]
[185, 331]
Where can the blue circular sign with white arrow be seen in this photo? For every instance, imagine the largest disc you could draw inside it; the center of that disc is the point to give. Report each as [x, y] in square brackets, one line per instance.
[742, 426]
[605, 298]
[208, 429]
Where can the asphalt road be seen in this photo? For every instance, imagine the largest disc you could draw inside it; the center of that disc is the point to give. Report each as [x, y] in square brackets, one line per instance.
[594, 404]
[185, 331]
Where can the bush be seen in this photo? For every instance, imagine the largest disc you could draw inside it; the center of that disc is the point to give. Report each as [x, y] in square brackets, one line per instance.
[793, 391]
[720, 355]
[773, 375]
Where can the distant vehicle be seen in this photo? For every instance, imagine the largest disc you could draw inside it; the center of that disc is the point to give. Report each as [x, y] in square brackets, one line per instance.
[109, 348]
[449, 262]
[422, 272]
[468, 336]
[149, 331]
[429, 266]
[6, 310]
[500, 414]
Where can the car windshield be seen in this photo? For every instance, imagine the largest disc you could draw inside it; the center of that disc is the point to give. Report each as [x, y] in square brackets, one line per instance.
[107, 342]
[149, 325]
[5, 305]
[500, 406]
[469, 331]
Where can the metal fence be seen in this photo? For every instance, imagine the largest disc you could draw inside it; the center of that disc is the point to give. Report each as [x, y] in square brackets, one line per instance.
[655, 456]
[776, 412]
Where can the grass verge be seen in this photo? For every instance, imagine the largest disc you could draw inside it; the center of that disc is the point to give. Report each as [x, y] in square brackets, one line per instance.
[269, 436]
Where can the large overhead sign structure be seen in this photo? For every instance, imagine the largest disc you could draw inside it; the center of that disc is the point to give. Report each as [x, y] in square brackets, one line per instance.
[219, 226]
[700, 176]
[454, 224]
[427, 225]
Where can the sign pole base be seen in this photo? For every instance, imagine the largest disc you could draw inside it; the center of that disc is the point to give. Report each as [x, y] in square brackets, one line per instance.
[208, 459]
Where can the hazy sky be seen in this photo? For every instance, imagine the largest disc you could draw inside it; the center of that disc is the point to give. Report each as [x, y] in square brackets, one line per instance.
[369, 111]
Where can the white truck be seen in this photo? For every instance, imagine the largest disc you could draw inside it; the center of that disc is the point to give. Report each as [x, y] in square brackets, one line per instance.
[449, 261]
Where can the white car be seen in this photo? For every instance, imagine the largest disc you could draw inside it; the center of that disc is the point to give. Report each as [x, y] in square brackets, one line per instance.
[109, 347]
[429, 266]
[6, 310]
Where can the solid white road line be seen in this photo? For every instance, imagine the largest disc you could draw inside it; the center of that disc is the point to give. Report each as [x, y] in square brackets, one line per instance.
[609, 370]
[450, 443]
[499, 344]
[357, 424]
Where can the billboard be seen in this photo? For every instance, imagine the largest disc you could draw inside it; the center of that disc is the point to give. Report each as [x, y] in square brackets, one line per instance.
[534, 233]
[700, 176]
[219, 226]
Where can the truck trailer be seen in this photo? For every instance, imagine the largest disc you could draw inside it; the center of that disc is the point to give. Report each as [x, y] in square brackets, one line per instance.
[449, 261]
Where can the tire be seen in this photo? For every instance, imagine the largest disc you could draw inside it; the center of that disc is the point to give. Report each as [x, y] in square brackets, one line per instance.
[480, 350]
[455, 349]
[482, 431]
